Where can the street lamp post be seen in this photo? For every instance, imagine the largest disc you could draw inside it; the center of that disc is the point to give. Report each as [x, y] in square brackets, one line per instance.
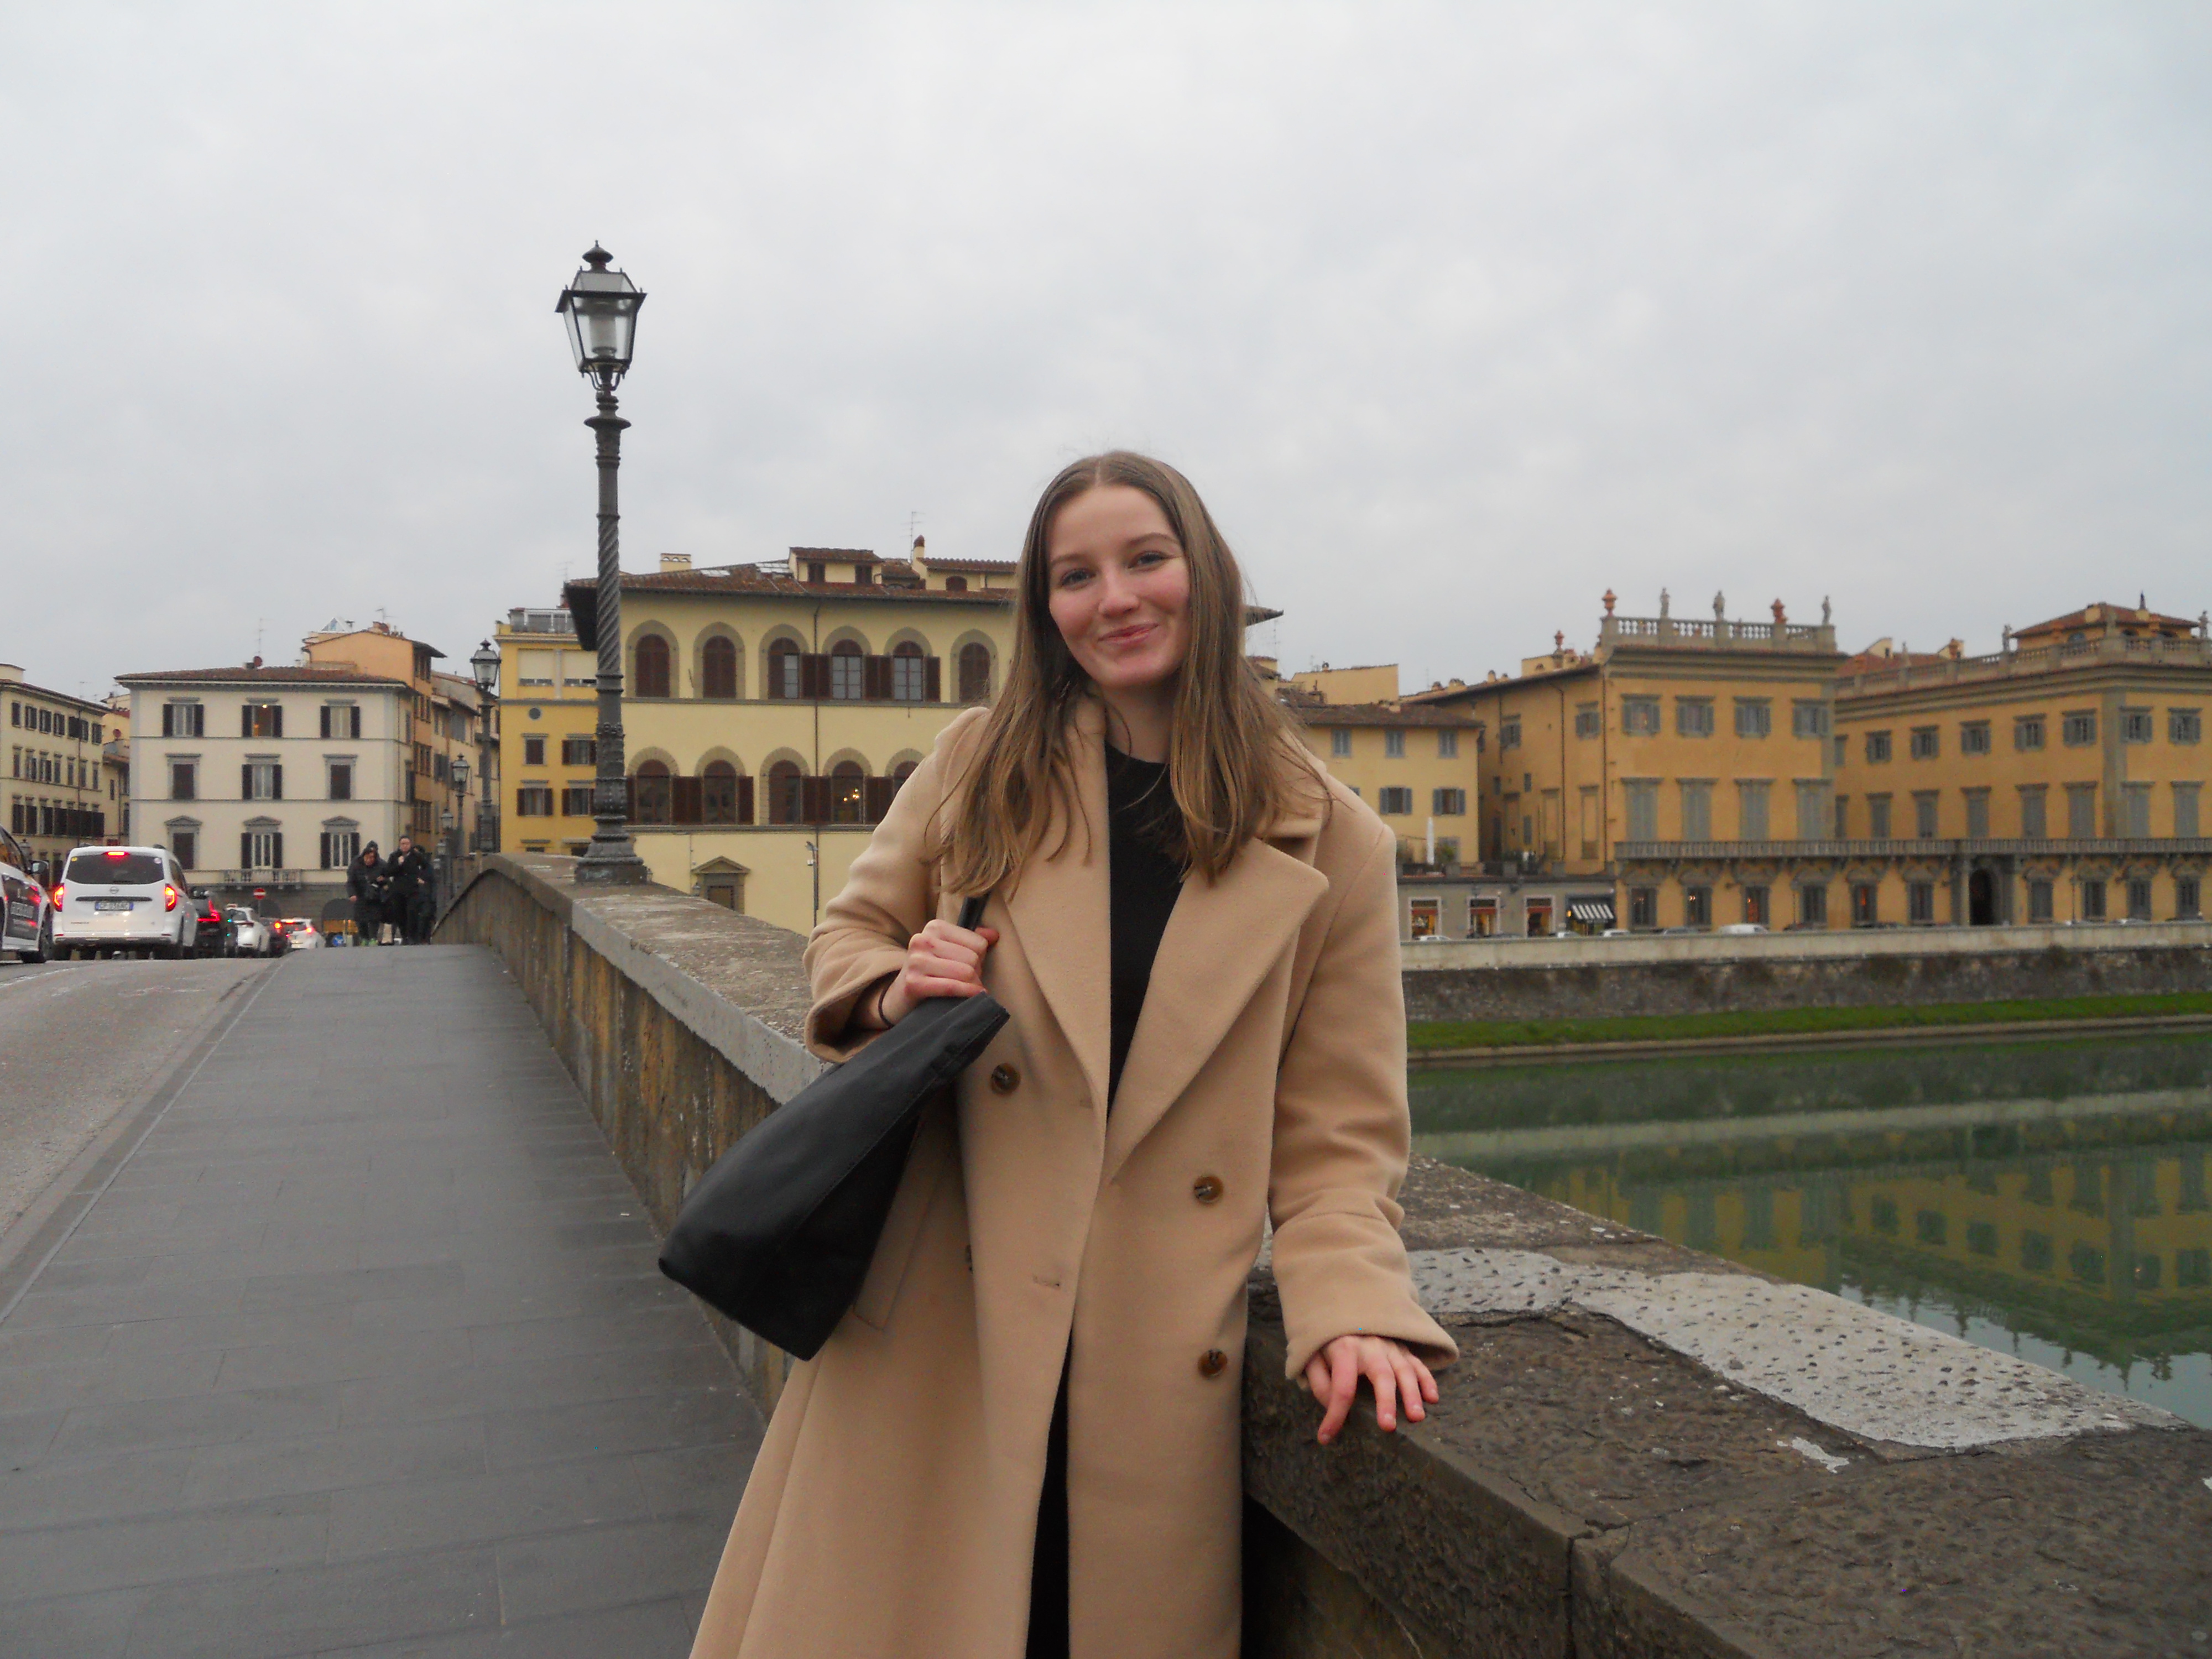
[484, 662]
[601, 306]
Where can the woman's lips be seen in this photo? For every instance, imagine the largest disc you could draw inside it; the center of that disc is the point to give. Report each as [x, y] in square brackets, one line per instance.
[1126, 636]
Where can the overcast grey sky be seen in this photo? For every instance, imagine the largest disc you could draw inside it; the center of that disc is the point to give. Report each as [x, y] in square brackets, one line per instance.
[1457, 315]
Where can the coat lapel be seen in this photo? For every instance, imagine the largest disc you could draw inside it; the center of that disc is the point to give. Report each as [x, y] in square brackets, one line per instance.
[1223, 939]
[1060, 910]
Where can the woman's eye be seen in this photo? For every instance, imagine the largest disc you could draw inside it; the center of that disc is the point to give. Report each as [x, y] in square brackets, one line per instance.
[1070, 578]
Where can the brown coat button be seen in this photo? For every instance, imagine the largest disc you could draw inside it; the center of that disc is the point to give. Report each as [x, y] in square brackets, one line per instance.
[1213, 1363]
[1206, 1188]
[1005, 1079]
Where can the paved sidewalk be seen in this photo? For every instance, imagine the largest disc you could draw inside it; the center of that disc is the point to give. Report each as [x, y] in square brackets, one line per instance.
[363, 1353]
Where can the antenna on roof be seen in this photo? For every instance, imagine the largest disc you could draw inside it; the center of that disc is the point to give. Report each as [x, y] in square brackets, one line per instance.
[259, 623]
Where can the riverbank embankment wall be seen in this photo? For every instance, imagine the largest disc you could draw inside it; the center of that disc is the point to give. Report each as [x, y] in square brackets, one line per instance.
[1580, 978]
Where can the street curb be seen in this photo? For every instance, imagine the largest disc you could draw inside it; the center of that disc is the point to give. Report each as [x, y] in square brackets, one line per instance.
[40, 1232]
[1886, 1036]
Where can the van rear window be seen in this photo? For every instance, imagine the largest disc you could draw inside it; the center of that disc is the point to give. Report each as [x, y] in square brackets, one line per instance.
[104, 869]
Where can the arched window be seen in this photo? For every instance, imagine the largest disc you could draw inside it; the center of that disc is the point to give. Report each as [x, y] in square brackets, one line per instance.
[955, 583]
[718, 792]
[650, 787]
[974, 673]
[787, 787]
[783, 668]
[900, 773]
[847, 782]
[909, 672]
[848, 671]
[717, 669]
[651, 667]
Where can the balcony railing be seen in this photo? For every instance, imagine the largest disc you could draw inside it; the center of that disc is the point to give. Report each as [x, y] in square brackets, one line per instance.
[270, 877]
[1718, 633]
[2190, 652]
[1915, 847]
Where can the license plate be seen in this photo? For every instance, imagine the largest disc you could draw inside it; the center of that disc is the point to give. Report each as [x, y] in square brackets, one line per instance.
[111, 904]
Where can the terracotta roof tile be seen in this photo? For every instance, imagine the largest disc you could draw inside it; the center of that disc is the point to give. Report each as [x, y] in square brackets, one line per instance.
[293, 675]
[1378, 714]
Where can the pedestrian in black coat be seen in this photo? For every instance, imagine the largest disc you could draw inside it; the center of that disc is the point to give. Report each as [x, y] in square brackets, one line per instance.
[411, 890]
[369, 884]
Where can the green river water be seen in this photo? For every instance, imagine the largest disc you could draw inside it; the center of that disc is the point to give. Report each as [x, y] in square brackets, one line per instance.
[2044, 1199]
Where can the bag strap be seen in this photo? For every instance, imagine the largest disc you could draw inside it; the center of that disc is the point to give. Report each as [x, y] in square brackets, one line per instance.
[971, 911]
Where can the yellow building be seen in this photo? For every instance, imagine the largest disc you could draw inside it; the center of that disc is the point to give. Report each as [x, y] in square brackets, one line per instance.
[548, 698]
[771, 711]
[1419, 768]
[2059, 779]
[58, 791]
[1661, 780]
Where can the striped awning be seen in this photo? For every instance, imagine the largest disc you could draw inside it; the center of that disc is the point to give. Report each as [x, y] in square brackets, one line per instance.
[1591, 909]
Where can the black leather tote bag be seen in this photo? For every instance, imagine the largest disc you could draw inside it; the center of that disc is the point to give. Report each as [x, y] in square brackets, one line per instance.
[779, 1234]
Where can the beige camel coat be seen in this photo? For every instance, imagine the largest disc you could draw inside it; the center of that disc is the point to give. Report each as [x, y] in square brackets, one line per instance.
[892, 1511]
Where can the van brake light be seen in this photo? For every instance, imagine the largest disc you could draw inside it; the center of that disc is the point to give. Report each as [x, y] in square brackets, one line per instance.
[169, 896]
[60, 888]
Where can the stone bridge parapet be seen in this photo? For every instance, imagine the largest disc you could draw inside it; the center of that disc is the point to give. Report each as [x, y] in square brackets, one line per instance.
[1643, 1452]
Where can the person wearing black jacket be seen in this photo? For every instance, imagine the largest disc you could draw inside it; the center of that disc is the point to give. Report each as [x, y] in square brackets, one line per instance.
[408, 907]
[369, 884]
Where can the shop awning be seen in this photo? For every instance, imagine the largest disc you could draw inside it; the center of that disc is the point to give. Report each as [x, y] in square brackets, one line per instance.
[1591, 909]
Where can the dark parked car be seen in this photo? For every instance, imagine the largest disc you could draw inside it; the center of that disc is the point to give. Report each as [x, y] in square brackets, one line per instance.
[215, 932]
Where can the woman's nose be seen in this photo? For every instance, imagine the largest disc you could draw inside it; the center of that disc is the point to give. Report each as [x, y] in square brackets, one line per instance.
[1116, 598]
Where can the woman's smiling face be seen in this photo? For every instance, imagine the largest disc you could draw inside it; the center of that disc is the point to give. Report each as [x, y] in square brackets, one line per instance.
[1121, 588]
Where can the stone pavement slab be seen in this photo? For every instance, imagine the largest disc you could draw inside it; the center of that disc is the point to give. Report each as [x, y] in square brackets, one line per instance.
[363, 1352]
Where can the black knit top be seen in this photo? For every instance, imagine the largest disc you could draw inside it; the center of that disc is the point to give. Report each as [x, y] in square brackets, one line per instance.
[1144, 882]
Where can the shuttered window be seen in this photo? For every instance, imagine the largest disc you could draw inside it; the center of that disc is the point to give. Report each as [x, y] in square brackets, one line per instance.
[974, 673]
[1643, 809]
[910, 673]
[784, 671]
[651, 667]
[717, 669]
[651, 799]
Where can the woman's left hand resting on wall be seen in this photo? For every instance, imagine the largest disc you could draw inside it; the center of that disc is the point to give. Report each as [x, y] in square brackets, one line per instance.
[1392, 1369]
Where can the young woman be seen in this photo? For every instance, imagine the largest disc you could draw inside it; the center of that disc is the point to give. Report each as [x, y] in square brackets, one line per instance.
[1025, 1439]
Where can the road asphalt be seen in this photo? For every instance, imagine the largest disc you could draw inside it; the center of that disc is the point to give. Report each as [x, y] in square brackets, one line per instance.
[346, 1338]
[81, 1041]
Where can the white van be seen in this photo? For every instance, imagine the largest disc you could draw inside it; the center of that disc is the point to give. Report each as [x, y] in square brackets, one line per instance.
[26, 922]
[126, 898]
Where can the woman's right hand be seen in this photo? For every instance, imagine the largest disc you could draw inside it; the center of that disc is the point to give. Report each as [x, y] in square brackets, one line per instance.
[942, 960]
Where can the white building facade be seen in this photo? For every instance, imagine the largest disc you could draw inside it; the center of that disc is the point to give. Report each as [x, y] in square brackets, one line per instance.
[266, 782]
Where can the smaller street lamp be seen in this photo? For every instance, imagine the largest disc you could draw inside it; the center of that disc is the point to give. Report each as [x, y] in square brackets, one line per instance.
[600, 306]
[484, 662]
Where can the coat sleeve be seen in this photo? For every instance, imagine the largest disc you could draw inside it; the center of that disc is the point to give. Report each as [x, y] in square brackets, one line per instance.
[1343, 1134]
[890, 893]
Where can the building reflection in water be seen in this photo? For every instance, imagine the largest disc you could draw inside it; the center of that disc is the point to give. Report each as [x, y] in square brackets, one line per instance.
[2047, 1199]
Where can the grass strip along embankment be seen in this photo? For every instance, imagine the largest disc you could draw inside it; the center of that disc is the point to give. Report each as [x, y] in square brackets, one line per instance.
[1423, 1035]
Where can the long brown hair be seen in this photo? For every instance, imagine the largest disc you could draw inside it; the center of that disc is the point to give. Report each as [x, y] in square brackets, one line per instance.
[1235, 761]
